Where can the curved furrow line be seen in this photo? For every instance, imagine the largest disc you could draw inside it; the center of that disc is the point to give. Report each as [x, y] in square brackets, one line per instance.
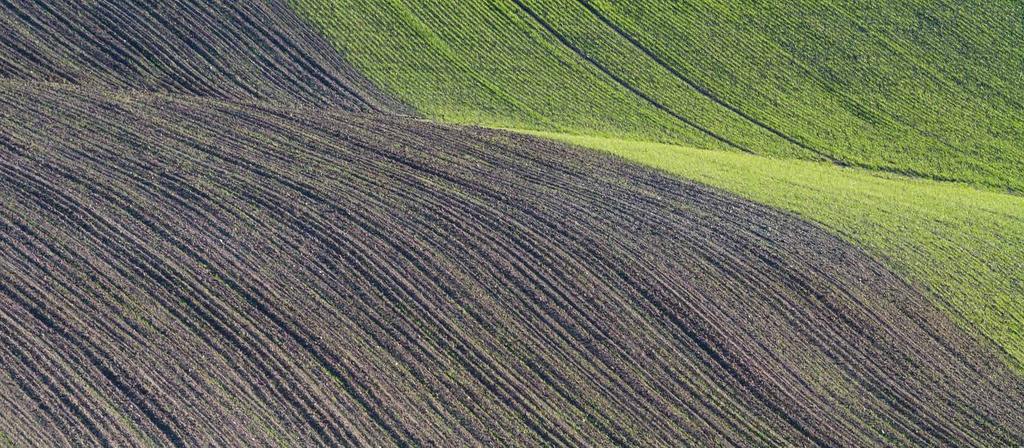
[556, 328]
[845, 360]
[610, 362]
[225, 320]
[624, 83]
[361, 260]
[732, 267]
[603, 431]
[153, 413]
[142, 275]
[697, 87]
[226, 323]
[383, 282]
[120, 332]
[291, 386]
[407, 256]
[883, 326]
[15, 391]
[224, 259]
[323, 77]
[26, 60]
[175, 31]
[264, 62]
[80, 425]
[123, 24]
[93, 56]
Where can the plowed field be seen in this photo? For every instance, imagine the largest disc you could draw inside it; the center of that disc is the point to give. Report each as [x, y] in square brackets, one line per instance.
[197, 272]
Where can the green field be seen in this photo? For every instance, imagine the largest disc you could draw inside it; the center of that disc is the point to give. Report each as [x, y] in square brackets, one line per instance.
[965, 246]
[925, 88]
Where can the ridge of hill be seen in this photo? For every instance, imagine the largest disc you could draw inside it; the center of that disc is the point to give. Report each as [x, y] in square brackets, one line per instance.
[901, 90]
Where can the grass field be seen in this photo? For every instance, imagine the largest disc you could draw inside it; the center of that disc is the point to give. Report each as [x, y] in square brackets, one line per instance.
[926, 88]
[965, 245]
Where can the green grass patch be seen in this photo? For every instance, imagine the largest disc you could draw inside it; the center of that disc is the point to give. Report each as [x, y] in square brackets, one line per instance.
[925, 88]
[964, 245]
[5, 440]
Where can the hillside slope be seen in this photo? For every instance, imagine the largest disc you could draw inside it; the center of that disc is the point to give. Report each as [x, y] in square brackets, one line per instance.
[930, 89]
[195, 272]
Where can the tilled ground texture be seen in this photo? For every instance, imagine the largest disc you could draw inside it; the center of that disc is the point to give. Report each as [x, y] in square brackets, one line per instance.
[197, 272]
[238, 50]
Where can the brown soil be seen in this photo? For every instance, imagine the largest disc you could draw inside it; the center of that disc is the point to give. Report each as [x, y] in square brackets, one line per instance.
[198, 272]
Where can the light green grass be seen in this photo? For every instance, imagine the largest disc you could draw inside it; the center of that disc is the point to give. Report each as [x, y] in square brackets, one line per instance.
[964, 245]
[929, 88]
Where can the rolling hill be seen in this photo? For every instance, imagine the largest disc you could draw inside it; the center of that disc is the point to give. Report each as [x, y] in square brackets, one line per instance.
[965, 246]
[191, 272]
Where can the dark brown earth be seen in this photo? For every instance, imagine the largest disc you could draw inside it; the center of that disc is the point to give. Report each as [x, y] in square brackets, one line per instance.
[196, 272]
[255, 254]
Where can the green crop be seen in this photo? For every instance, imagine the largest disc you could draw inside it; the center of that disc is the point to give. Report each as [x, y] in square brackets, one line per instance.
[924, 88]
